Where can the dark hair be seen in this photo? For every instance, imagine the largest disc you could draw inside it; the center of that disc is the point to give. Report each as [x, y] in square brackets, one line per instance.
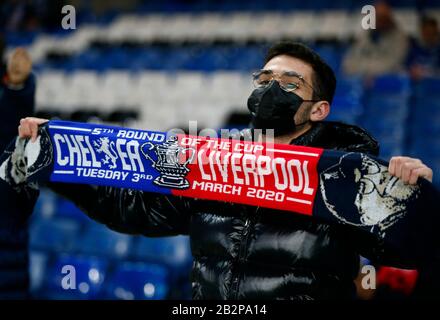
[323, 78]
[428, 20]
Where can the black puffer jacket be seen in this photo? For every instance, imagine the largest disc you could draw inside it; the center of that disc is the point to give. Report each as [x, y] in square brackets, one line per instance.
[244, 252]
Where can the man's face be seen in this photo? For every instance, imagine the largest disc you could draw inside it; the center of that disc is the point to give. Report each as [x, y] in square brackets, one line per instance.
[284, 63]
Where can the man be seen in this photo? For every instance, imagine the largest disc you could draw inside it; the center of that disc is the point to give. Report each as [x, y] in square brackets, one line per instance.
[378, 51]
[17, 94]
[246, 252]
[424, 55]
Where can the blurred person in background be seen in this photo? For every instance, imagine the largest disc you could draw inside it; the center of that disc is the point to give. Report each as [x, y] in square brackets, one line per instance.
[18, 15]
[378, 51]
[424, 55]
[247, 252]
[17, 93]
[30, 15]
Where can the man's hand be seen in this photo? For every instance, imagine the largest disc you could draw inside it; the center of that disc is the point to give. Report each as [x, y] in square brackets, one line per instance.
[19, 66]
[28, 127]
[409, 169]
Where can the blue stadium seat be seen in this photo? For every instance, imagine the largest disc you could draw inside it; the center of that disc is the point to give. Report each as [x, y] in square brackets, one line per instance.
[428, 147]
[387, 104]
[54, 234]
[173, 251]
[88, 277]
[331, 55]
[248, 59]
[208, 59]
[426, 104]
[88, 59]
[101, 241]
[119, 58]
[427, 87]
[424, 124]
[386, 124]
[386, 112]
[150, 58]
[391, 84]
[391, 107]
[346, 109]
[349, 86]
[45, 207]
[67, 209]
[425, 114]
[389, 149]
[17, 39]
[422, 128]
[347, 104]
[177, 59]
[38, 264]
[138, 281]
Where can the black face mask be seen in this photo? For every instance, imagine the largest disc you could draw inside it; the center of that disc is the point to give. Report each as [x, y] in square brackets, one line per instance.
[273, 108]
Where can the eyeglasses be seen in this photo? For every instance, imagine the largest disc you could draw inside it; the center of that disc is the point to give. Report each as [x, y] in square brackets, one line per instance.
[289, 80]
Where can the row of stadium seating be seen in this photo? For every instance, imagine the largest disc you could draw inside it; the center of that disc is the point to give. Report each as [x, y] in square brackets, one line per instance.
[179, 96]
[384, 108]
[208, 27]
[195, 57]
[108, 265]
[97, 278]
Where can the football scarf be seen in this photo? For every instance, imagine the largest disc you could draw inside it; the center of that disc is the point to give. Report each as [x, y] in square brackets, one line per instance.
[347, 188]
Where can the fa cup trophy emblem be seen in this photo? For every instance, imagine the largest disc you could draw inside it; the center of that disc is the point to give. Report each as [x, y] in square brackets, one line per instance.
[172, 170]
